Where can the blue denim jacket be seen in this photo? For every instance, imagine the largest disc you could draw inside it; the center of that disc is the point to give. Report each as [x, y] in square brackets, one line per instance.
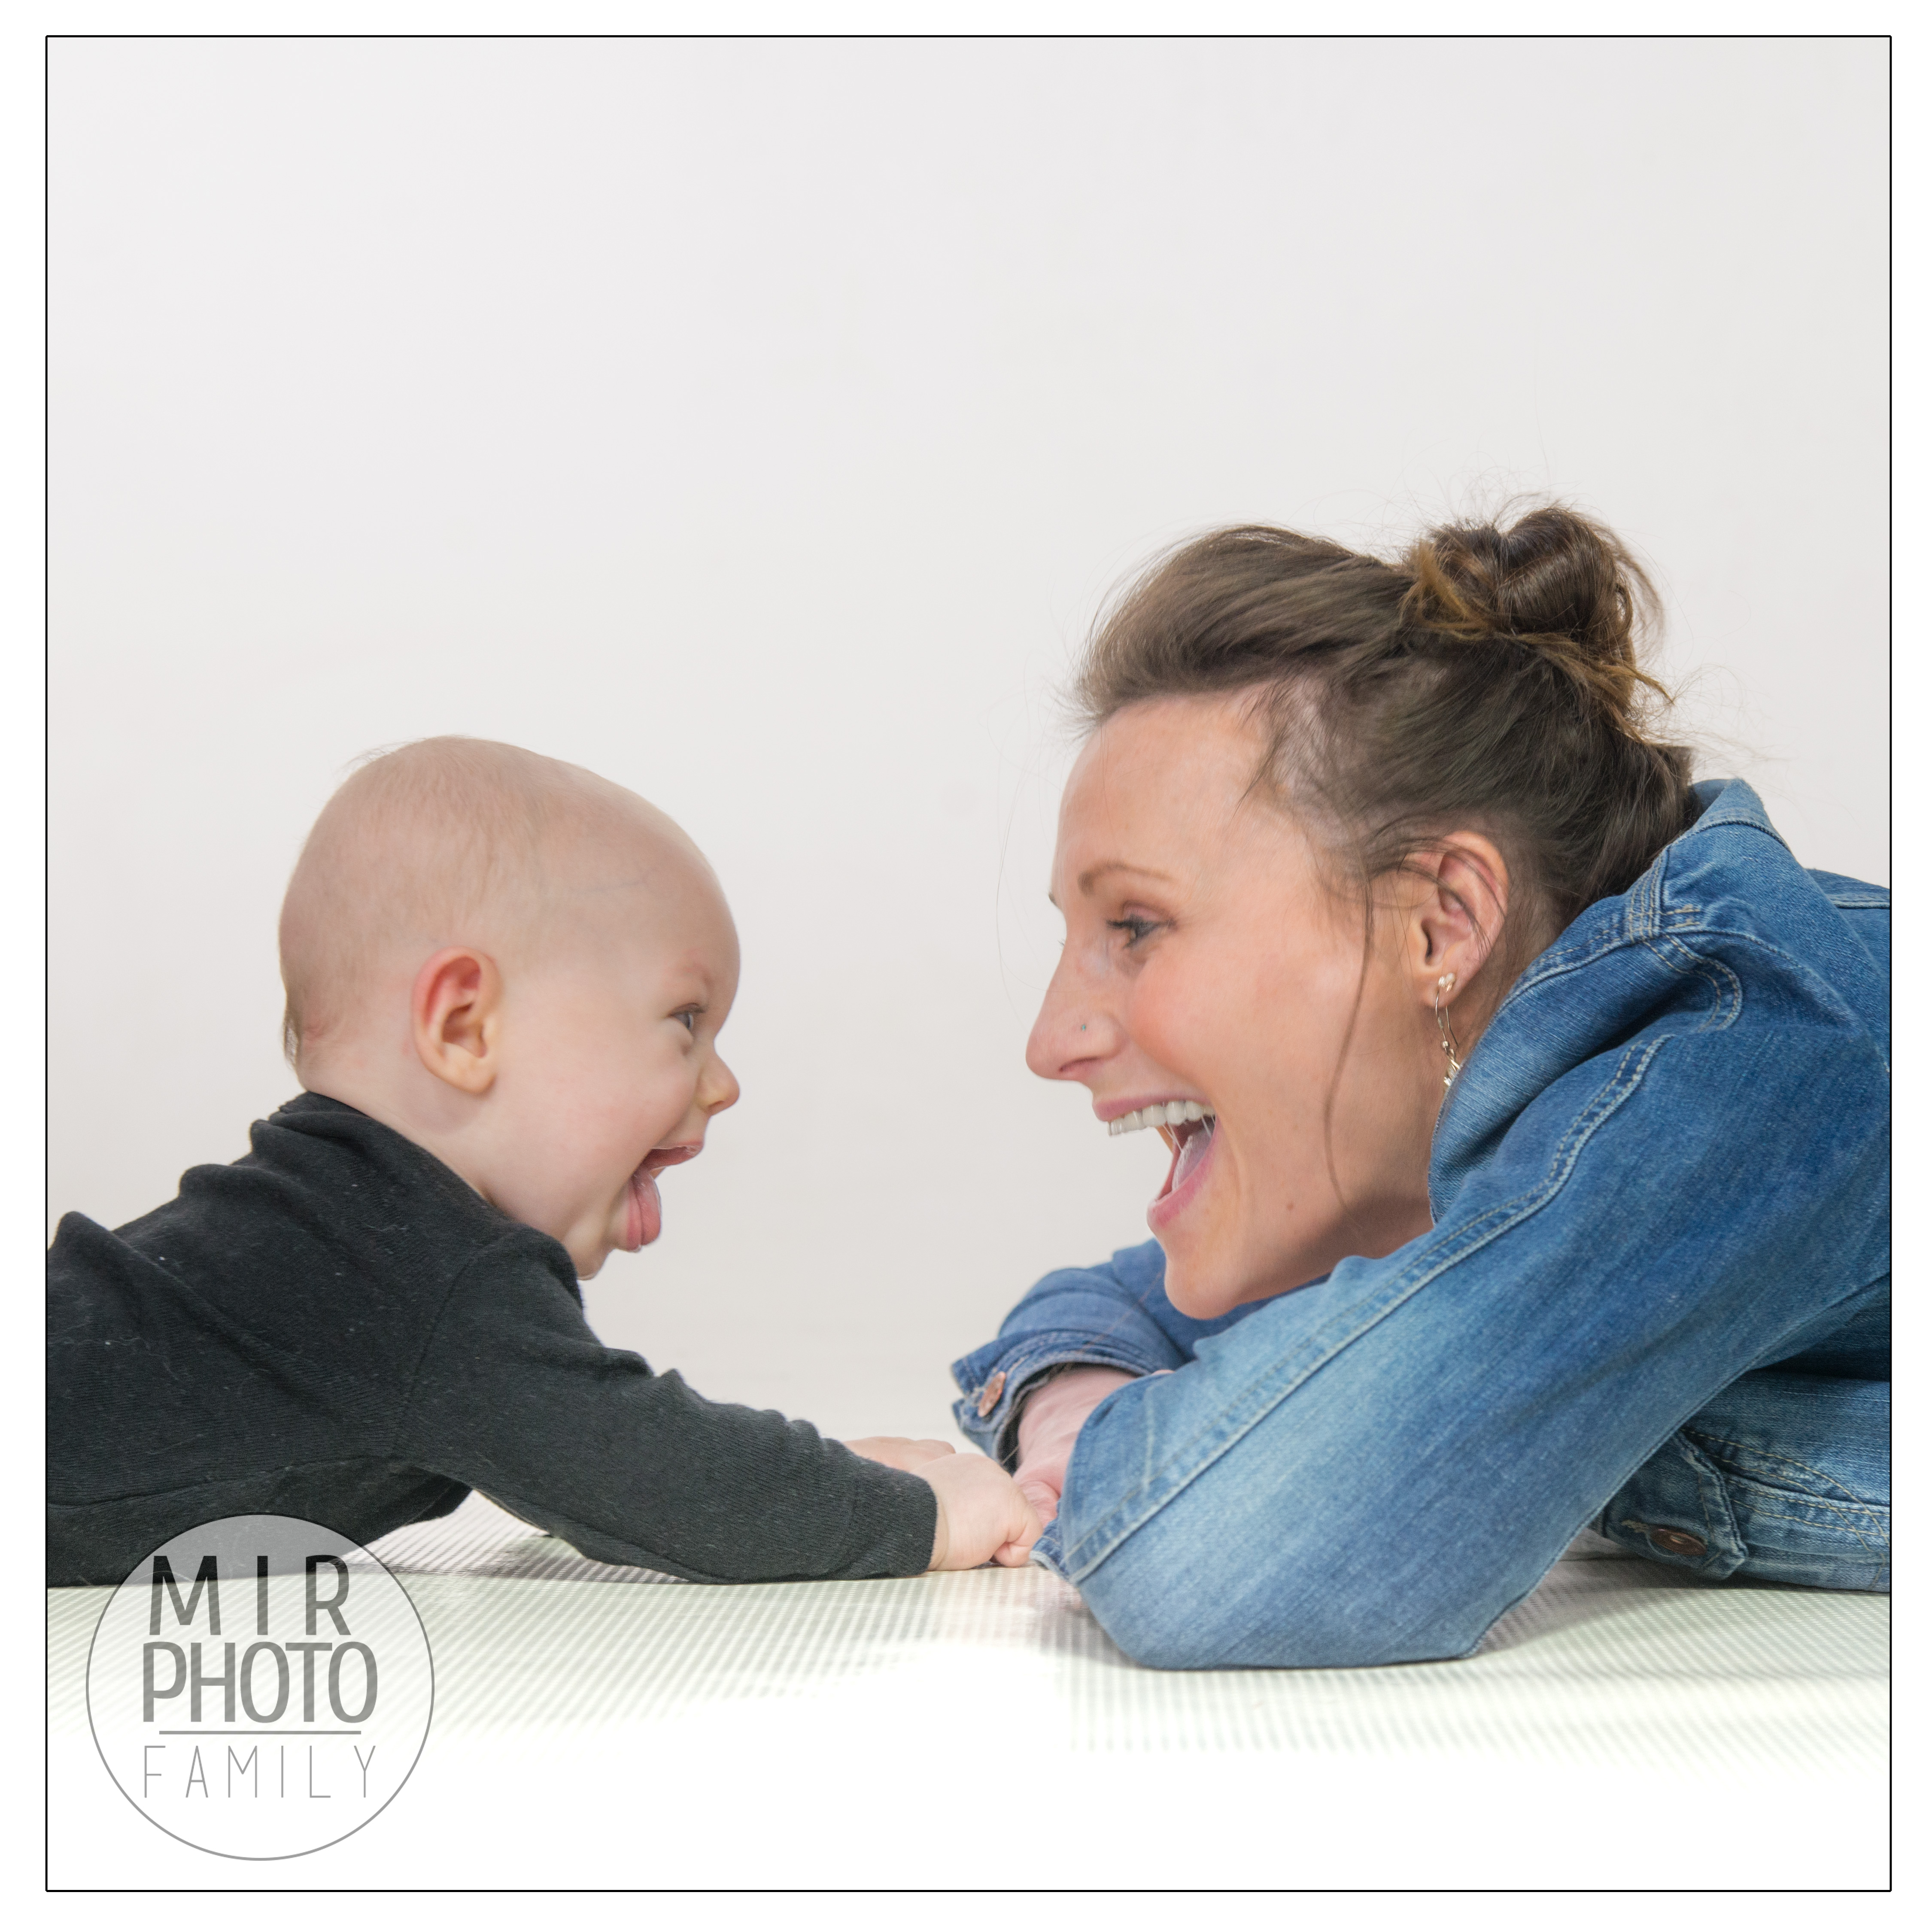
[1656, 1300]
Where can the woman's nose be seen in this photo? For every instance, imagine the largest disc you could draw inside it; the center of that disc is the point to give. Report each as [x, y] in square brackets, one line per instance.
[1071, 1033]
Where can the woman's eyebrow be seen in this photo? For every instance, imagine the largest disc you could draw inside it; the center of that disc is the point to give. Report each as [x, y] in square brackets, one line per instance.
[1085, 881]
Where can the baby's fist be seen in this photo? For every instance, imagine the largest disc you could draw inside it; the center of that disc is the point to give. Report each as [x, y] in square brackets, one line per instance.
[983, 1516]
[898, 1452]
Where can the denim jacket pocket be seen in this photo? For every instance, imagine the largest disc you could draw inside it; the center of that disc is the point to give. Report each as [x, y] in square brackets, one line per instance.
[1799, 1524]
[1719, 1507]
[1677, 1510]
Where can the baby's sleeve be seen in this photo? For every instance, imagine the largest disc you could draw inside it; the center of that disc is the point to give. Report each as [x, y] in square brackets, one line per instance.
[515, 1396]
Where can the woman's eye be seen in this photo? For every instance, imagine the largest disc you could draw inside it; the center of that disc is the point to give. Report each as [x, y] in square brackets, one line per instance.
[1134, 926]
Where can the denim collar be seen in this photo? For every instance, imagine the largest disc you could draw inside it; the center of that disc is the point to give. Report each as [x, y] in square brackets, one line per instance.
[1726, 801]
[1597, 983]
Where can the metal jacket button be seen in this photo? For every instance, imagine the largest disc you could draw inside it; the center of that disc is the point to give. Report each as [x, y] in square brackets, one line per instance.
[990, 1394]
[1678, 1542]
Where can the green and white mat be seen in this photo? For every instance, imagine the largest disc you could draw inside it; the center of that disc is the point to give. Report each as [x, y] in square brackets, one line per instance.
[1625, 1727]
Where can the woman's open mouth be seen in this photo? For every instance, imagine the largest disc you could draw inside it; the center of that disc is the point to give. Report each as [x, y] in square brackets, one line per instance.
[643, 1210]
[1188, 1129]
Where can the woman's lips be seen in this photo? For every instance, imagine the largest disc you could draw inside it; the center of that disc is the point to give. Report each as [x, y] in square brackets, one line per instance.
[643, 1210]
[1194, 1146]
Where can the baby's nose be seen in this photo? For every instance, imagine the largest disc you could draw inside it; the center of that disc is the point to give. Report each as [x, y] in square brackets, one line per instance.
[721, 1090]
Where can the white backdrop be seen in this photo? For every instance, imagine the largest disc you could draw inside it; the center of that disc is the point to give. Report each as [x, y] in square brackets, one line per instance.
[759, 425]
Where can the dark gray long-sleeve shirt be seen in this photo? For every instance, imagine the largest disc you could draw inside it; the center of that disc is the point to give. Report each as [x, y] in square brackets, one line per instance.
[336, 1327]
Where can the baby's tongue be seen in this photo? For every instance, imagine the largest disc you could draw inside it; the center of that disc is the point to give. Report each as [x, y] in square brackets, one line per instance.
[644, 1212]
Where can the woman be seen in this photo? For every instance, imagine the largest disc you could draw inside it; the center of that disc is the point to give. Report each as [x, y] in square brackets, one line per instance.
[1557, 1081]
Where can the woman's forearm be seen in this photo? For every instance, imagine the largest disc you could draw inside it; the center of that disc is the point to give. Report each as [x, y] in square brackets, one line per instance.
[1050, 1423]
[1115, 1316]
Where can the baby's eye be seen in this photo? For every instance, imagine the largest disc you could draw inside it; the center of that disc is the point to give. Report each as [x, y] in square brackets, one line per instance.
[687, 1019]
[1136, 927]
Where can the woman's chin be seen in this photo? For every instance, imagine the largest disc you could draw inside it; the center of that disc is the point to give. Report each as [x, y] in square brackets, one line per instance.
[1204, 1281]
[1190, 1222]
[1197, 1289]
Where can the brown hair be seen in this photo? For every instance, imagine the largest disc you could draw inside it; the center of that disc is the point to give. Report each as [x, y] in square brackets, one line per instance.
[1489, 678]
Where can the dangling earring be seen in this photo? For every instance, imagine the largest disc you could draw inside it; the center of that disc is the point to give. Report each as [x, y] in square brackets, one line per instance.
[1447, 984]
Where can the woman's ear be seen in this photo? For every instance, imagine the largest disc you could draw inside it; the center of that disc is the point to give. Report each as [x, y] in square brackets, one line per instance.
[1458, 916]
[456, 1015]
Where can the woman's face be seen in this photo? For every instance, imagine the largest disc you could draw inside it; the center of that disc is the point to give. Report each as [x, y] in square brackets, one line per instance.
[1211, 959]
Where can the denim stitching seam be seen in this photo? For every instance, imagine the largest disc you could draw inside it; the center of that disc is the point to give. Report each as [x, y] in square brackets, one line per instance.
[1882, 1546]
[1693, 964]
[1713, 1502]
[1799, 969]
[1849, 1496]
[1842, 1512]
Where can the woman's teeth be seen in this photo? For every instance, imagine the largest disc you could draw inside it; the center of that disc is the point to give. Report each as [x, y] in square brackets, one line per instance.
[1162, 1114]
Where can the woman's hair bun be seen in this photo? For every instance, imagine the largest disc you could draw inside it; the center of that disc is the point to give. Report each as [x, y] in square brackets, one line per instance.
[1554, 579]
[1489, 677]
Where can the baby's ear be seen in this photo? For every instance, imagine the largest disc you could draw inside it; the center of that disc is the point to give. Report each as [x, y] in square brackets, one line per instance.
[455, 1016]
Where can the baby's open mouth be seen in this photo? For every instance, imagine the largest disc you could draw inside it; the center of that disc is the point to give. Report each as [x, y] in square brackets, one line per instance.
[644, 1211]
[1187, 1127]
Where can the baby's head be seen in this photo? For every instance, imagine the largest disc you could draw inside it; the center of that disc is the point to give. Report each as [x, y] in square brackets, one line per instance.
[522, 968]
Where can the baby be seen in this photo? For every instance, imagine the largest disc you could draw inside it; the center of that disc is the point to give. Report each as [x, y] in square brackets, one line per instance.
[505, 981]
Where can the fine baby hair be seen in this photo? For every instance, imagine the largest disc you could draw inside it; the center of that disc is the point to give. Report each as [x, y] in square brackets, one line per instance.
[426, 841]
[1488, 677]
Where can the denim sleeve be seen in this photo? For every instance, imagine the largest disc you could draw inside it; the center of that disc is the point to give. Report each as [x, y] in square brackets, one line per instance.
[1115, 1315]
[1371, 1470]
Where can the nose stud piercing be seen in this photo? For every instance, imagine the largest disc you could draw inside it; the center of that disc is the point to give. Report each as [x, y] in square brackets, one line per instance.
[1447, 984]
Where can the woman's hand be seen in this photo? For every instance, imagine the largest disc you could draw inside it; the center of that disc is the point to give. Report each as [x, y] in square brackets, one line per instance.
[1048, 1423]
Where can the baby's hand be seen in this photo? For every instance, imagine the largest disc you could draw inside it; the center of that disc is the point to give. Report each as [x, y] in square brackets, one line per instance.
[899, 1452]
[983, 1516]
